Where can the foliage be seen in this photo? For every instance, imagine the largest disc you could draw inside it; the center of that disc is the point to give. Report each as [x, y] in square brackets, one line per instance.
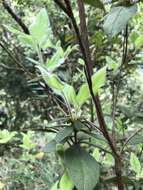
[90, 100]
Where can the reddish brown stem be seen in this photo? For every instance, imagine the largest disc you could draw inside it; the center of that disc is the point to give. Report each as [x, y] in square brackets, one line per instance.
[83, 40]
[89, 68]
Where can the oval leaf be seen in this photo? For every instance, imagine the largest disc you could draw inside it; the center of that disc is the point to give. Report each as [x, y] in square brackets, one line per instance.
[98, 80]
[137, 139]
[51, 79]
[82, 168]
[64, 133]
[117, 19]
[83, 94]
[55, 186]
[70, 95]
[50, 147]
[40, 29]
[135, 163]
[66, 183]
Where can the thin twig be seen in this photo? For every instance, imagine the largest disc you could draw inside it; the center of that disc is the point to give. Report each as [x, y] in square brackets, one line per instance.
[130, 137]
[10, 68]
[14, 59]
[116, 91]
[40, 130]
[15, 17]
[93, 125]
[96, 146]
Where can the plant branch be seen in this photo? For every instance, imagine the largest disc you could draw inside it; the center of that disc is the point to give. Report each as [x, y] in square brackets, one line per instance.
[91, 124]
[96, 146]
[130, 137]
[84, 46]
[15, 17]
[14, 59]
[61, 5]
[2, 65]
[116, 90]
[89, 69]
[26, 31]
[112, 144]
[40, 130]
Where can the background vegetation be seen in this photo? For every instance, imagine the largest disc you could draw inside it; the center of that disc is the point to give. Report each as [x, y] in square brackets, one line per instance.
[46, 105]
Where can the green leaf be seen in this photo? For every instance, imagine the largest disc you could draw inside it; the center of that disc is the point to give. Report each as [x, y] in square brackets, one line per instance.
[59, 87]
[25, 39]
[98, 80]
[133, 36]
[109, 160]
[96, 154]
[6, 136]
[82, 168]
[27, 141]
[70, 95]
[40, 29]
[112, 64]
[55, 186]
[50, 147]
[59, 57]
[95, 3]
[83, 94]
[117, 19]
[98, 137]
[63, 133]
[51, 79]
[66, 183]
[135, 163]
[78, 125]
[81, 61]
[139, 42]
[137, 139]
[56, 60]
